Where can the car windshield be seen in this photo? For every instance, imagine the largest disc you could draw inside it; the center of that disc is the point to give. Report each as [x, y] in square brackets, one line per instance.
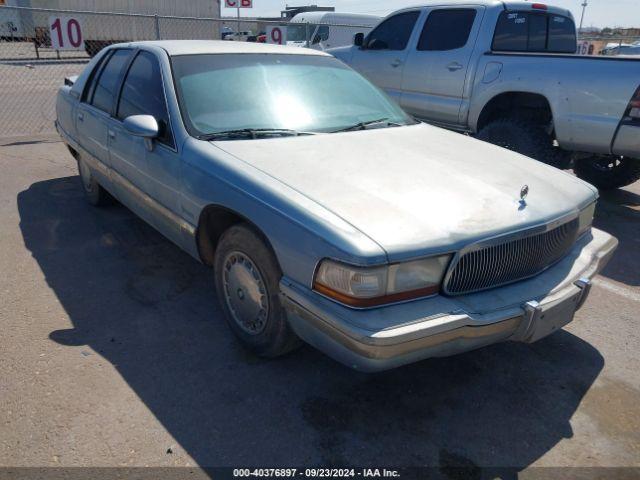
[298, 32]
[311, 93]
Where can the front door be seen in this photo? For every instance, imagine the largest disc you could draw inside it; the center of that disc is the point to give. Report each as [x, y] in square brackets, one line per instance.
[381, 59]
[149, 172]
[436, 69]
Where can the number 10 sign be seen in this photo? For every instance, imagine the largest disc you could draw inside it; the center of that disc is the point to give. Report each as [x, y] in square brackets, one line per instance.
[66, 33]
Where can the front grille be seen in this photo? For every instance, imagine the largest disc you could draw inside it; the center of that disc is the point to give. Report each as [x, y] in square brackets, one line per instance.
[510, 260]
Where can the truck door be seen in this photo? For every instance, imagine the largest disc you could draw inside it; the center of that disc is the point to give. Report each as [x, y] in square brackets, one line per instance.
[436, 69]
[381, 59]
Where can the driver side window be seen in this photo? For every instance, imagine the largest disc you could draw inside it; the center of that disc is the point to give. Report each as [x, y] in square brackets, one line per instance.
[393, 33]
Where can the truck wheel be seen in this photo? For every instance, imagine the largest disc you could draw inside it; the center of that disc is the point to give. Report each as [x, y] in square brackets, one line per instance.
[247, 278]
[606, 172]
[93, 192]
[525, 137]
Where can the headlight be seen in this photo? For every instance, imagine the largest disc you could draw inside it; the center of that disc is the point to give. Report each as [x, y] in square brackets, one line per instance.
[586, 218]
[370, 286]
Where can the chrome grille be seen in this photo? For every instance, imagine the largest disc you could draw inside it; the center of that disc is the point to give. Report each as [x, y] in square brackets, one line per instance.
[508, 261]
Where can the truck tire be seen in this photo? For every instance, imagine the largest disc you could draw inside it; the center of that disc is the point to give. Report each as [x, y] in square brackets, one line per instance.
[525, 137]
[93, 191]
[247, 278]
[607, 172]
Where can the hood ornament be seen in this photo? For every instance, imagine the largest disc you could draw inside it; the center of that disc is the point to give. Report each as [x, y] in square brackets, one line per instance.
[524, 192]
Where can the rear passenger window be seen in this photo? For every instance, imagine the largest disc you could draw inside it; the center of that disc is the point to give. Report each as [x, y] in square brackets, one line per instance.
[393, 33]
[104, 93]
[534, 32]
[143, 94]
[446, 30]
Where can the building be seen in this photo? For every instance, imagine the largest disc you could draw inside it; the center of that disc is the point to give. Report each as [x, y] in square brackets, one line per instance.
[103, 29]
[289, 12]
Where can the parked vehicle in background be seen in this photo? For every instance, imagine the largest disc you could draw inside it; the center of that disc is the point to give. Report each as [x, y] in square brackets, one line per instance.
[506, 72]
[624, 49]
[326, 212]
[338, 31]
[239, 36]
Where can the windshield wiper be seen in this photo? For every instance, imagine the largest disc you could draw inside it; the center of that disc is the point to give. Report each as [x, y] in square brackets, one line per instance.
[252, 133]
[364, 125]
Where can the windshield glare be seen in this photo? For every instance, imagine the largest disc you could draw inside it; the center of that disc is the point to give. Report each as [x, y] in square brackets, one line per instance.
[309, 93]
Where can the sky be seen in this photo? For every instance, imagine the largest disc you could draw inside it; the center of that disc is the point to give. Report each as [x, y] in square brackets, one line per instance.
[599, 13]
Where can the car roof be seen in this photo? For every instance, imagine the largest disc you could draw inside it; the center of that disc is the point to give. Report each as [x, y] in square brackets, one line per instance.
[327, 17]
[195, 47]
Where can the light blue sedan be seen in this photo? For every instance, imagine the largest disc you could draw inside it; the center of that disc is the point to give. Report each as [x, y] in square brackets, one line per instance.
[327, 213]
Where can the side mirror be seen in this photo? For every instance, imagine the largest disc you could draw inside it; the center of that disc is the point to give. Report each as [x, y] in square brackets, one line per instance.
[358, 40]
[145, 126]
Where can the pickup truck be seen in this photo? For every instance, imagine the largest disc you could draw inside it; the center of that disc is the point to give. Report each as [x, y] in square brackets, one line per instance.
[507, 73]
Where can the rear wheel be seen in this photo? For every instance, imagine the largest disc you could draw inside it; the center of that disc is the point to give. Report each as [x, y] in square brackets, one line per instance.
[247, 278]
[607, 172]
[93, 191]
[525, 137]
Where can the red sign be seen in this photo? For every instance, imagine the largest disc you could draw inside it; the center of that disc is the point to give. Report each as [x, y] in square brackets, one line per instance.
[238, 3]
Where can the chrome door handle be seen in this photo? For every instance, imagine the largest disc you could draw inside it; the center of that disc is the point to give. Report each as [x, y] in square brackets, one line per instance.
[396, 63]
[112, 134]
[454, 66]
[81, 117]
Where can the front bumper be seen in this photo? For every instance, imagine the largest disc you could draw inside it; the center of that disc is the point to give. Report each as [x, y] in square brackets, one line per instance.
[387, 337]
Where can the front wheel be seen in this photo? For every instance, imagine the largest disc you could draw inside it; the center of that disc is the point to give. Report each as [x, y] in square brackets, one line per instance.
[247, 278]
[607, 172]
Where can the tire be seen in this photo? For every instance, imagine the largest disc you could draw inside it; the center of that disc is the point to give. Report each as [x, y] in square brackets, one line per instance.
[247, 277]
[525, 137]
[93, 191]
[608, 173]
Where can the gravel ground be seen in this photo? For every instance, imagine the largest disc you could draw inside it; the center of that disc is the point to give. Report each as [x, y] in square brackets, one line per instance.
[114, 353]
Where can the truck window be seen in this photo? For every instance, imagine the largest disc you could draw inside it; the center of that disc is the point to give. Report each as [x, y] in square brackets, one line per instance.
[534, 32]
[393, 33]
[109, 79]
[322, 35]
[446, 29]
[562, 35]
[143, 94]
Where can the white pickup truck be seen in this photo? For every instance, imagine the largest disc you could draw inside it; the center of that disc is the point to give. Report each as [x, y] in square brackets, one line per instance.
[507, 72]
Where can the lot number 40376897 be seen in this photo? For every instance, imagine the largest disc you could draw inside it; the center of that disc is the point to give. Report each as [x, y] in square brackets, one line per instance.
[65, 33]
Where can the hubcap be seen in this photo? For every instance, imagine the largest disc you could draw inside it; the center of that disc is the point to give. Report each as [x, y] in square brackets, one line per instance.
[245, 293]
[606, 164]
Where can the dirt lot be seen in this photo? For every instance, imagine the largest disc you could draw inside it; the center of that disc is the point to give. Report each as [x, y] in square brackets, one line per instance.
[113, 353]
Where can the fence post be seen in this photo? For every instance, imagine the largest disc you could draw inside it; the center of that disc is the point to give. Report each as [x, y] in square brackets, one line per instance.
[307, 34]
[157, 23]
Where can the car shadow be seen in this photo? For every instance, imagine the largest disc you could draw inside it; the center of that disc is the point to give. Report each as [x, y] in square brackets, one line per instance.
[149, 309]
[618, 213]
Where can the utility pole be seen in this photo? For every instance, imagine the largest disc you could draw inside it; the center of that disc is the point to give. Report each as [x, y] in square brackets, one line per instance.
[584, 7]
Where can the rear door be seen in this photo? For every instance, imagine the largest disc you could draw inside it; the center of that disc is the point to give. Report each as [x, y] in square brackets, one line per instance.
[94, 110]
[436, 69]
[381, 59]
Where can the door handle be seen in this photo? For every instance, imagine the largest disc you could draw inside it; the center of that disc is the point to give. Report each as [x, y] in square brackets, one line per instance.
[81, 117]
[454, 66]
[112, 134]
[396, 63]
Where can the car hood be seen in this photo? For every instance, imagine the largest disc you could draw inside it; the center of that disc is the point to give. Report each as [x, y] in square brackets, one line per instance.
[419, 189]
